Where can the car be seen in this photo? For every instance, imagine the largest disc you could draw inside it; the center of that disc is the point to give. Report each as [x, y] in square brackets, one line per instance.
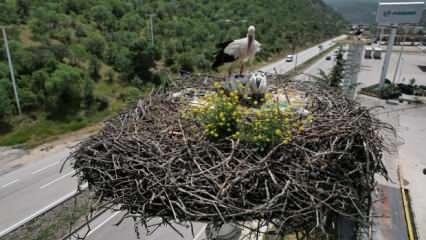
[328, 58]
[289, 58]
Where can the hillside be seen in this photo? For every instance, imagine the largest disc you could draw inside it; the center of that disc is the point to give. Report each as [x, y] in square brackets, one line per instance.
[78, 61]
[356, 11]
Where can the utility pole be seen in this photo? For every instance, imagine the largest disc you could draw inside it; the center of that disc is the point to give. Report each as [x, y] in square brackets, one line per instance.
[400, 57]
[385, 68]
[382, 32]
[12, 73]
[152, 27]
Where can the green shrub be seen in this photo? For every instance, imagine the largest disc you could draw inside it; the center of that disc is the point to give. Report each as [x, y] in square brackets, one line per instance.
[223, 116]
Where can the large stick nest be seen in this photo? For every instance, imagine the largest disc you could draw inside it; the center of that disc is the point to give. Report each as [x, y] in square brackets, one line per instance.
[153, 163]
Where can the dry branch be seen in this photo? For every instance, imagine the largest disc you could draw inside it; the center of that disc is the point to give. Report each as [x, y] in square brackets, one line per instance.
[153, 163]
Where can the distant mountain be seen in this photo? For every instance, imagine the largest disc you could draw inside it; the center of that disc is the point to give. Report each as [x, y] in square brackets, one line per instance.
[356, 11]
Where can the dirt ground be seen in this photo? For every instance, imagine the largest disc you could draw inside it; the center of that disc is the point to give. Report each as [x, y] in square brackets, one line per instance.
[13, 158]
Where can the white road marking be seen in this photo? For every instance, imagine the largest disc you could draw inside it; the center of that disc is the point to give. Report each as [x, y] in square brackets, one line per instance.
[41, 211]
[10, 183]
[103, 223]
[200, 233]
[57, 180]
[44, 168]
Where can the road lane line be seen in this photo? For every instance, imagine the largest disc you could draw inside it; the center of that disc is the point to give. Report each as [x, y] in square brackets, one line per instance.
[36, 214]
[103, 223]
[57, 180]
[46, 167]
[10, 183]
[200, 232]
[41, 211]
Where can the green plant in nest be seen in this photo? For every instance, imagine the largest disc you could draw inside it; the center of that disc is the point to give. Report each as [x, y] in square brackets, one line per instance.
[263, 123]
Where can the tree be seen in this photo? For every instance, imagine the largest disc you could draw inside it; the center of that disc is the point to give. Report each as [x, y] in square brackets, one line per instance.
[119, 57]
[68, 90]
[103, 16]
[38, 86]
[94, 69]
[77, 54]
[8, 13]
[95, 43]
[186, 63]
[76, 6]
[336, 75]
[131, 22]
[23, 9]
[143, 59]
[28, 99]
[44, 23]
[6, 104]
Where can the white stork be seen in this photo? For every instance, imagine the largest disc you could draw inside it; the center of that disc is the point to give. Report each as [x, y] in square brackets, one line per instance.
[237, 51]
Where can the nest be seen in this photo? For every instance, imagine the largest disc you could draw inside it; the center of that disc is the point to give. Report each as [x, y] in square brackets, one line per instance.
[152, 163]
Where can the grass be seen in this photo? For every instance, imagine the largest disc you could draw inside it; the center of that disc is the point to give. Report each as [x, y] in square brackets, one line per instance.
[33, 133]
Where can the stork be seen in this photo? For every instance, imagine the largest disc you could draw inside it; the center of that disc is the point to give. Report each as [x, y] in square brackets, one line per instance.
[237, 51]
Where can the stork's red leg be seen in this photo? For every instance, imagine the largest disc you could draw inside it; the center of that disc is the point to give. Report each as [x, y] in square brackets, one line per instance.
[242, 69]
[229, 72]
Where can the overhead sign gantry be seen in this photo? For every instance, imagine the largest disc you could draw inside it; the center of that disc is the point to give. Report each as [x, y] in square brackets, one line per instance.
[394, 14]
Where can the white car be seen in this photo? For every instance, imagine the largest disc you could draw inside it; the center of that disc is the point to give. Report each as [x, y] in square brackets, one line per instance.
[289, 58]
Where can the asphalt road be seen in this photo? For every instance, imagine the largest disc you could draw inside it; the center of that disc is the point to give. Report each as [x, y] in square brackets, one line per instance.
[28, 190]
[105, 227]
[283, 67]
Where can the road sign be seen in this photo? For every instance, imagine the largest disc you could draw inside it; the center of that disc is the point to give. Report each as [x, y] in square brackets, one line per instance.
[396, 13]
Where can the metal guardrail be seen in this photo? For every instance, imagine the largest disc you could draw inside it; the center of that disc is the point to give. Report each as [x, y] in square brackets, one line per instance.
[39, 213]
[71, 234]
[42, 211]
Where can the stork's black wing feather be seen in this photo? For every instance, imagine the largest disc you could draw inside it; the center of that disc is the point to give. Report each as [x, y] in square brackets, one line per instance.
[224, 44]
[221, 57]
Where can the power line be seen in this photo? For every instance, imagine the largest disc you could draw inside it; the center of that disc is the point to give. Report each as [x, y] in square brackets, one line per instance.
[12, 73]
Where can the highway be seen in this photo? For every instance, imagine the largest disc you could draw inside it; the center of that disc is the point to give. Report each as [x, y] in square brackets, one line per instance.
[28, 189]
[282, 66]
[105, 227]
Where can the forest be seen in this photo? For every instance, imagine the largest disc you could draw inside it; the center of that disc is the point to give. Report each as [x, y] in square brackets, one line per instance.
[79, 61]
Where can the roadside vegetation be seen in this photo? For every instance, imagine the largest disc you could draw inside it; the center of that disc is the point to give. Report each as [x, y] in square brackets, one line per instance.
[395, 91]
[335, 77]
[78, 62]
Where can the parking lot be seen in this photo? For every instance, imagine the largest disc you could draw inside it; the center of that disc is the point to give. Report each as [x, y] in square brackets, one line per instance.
[409, 122]
[411, 59]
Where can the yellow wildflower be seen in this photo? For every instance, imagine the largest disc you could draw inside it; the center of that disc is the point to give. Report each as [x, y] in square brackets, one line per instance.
[278, 132]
